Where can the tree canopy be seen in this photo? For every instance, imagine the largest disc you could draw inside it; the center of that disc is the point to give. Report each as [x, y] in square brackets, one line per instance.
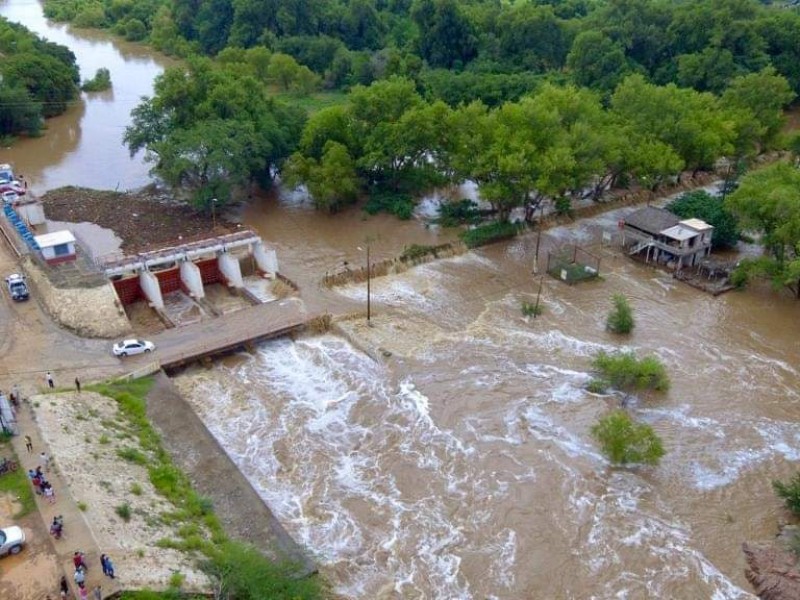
[767, 202]
[209, 129]
[38, 79]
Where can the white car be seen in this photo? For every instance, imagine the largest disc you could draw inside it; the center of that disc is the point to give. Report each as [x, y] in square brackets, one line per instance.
[10, 197]
[127, 347]
[11, 540]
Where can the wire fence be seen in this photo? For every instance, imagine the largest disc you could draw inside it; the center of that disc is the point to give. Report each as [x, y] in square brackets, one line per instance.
[572, 264]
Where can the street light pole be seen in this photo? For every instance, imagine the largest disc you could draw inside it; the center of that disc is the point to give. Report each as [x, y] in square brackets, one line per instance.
[214, 212]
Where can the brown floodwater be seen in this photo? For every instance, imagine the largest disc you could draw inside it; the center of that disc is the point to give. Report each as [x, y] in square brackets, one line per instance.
[84, 145]
[463, 465]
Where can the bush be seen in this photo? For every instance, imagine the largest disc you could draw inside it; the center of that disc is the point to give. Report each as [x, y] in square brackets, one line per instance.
[597, 386]
[100, 82]
[620, 320]
[132, 455]
[493, 232]
[397, 203]
[246, 574]
[417, 252]
[135, 30]
[124, 511]
[529, 309]
[789, 492]
[625, 371]
[623, 441]
[463, 212]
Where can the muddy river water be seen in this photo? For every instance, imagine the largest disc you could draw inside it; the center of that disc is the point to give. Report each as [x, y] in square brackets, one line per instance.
[462, 465]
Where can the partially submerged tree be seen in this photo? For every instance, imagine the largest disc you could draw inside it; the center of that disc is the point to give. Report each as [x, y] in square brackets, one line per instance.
[768, 201]
[620, 319]
[624, 371]
[624, 441]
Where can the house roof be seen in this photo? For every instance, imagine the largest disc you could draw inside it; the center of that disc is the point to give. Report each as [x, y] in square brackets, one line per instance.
[651, 219]
[56, 238]
[697, 224]
[680, 232]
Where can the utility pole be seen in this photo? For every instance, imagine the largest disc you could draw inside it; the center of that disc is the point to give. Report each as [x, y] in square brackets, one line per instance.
[369, 277]
[538, 296]
[214, 212]
[538, 240]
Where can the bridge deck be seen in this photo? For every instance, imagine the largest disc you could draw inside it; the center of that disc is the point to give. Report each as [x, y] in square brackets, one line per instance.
[176, 347]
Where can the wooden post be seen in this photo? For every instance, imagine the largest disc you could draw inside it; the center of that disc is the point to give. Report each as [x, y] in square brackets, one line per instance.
[538, 295]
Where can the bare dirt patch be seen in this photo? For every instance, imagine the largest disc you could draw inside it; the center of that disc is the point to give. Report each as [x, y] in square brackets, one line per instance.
[142, 220]
[34, 572]
[85, 432]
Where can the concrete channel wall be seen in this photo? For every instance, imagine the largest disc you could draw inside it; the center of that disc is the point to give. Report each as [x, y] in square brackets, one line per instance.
[213, 474]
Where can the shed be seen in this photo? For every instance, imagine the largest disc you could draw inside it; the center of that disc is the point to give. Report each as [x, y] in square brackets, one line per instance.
[57, 247]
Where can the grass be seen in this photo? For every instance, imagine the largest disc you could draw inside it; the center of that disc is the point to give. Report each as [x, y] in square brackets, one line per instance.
[315, 102]
[136, 489]
[16, 484]
[626, 372]
[82, 506]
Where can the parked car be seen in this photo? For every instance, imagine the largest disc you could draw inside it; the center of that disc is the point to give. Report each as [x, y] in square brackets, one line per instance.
[11, 540]
[12, 186]
[17, 288]
[10, 197]
[127, 347]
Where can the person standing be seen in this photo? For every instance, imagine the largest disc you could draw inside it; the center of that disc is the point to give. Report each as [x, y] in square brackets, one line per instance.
[64, 587]
[108, 566]
[78, 385]
[97, 593]
[49, 493]
[28, 444]
[49, 378]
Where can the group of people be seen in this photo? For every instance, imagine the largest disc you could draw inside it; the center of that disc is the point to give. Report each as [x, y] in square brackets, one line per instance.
[41, 486]
[79, 561]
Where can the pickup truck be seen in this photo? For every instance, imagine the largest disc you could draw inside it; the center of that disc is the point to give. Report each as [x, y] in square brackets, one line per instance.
[17, 288]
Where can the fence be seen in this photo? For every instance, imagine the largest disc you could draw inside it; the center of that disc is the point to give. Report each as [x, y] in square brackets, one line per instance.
[572, 264]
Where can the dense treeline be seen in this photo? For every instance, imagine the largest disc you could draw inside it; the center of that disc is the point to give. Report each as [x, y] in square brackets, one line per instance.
[530, 100]
[37, 79]
[703, 44]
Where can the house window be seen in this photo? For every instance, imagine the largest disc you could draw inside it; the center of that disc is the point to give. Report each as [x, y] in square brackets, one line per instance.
[61, 250]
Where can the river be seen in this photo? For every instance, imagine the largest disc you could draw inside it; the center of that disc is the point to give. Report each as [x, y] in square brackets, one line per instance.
[462, 465]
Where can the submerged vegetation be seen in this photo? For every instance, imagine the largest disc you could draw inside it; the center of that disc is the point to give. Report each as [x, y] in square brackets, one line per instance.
[620, 319]
[624, 441]
[100, 82]
[626, 372]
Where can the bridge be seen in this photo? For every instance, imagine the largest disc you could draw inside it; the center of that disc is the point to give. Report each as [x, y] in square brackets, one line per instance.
[229, 332]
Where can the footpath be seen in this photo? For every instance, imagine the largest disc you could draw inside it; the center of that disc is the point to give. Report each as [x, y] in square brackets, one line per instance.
[76, 534]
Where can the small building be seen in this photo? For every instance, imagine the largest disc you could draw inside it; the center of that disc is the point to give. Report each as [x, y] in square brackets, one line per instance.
[57, 247]
[665, 239]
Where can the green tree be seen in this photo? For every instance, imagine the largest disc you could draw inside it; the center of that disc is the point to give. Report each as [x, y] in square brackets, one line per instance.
[48, 80]
[19, 113]
[768, 201]
[764, 94]
[625, 441]
[283, 70]
[446, 36]
[620, 319]
[207, 129]
[332, 182]
[597, 61]
[711, 209]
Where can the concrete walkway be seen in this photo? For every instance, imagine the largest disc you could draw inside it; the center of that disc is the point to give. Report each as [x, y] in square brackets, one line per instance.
[76, 535]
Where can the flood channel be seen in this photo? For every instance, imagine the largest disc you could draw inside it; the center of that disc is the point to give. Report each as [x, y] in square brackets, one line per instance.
[462, 465]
